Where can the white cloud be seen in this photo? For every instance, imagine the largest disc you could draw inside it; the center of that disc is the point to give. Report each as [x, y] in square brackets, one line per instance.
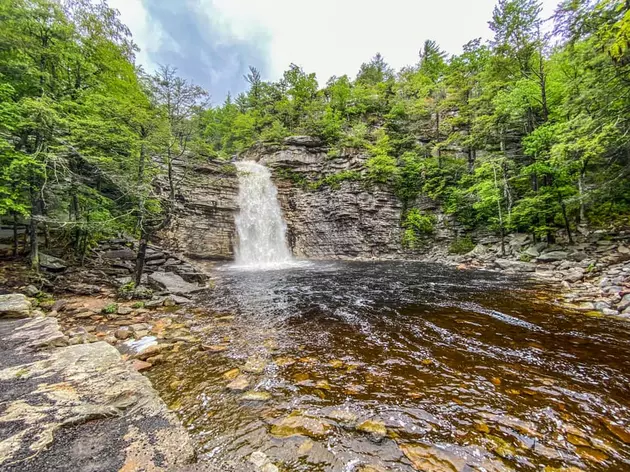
[333, 37]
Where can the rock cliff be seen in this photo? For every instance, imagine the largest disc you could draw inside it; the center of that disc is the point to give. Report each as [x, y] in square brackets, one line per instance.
[334, 218]
[203, 227]
[342, 220]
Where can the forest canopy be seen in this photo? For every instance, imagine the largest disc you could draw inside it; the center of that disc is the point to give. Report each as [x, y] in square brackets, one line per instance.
[526, 132]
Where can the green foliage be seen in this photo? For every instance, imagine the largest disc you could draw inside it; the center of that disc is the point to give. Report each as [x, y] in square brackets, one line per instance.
[334, 180]
[512, 134]
[461, 246]
[417, 226]
[419, 222]
[110, 309]
[295, 177]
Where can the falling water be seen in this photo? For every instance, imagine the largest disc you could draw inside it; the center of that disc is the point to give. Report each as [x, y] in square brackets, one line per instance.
[261, 229]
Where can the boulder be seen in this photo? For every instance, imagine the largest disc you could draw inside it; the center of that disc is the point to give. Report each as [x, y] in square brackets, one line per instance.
[516, 266]
[433, 459]
[624, 303]
[124, 310]
[376, 429]
[601, 306]
[532, 251]
[297, 424]
[153, 255]
[239, 384]
[14, 305]
[578, 256]
[574, 275]
[255, 365]
[172, 283]
[125, 254]
[122, 334]
[31, 291]
[253, 396]
[157, 302]
[553, 256]
[304, 141]
[52, 264]
[177, 300]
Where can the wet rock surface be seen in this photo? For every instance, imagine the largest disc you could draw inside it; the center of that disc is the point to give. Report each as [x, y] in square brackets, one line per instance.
[79, 408]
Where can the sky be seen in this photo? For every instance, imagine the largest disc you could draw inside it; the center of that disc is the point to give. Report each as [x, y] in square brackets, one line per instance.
[213, 42]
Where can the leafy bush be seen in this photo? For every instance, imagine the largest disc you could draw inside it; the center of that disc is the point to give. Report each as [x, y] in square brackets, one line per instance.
[110, 309]
[416, 225]
[409, 239]
[334, 181]
[419, 223]
[382, 169]
[296, 178]
[461, 246]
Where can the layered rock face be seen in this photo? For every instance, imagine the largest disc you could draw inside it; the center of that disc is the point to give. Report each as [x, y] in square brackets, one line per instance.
[203, 227]
[346, 221]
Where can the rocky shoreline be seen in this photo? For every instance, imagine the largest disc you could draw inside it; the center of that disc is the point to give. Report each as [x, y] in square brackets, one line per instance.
[77, 406]
[592, 277]
[73, 364]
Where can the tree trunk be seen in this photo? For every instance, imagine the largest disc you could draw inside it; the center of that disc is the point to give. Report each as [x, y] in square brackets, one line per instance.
[472, 157]
[140, 258]
[171, 177]
[581, 193]
[500, 211]
[45, 226]
[33, 232]
[144, 236]
[15, 234]
[567, 226]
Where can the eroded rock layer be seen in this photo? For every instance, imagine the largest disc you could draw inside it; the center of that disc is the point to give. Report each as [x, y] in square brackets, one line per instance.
[203, 226]
[79, 408]
[327, 217]
[345, 220]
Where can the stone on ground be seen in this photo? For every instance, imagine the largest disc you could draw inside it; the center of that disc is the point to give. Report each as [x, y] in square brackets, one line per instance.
[172, 283]
[14, 305]
[298, 424]
[52, 264]
[376, 429]
[239, 384]
[80, 407]
[253, 396]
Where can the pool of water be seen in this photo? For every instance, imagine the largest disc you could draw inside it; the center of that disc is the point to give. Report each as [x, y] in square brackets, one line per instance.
[452, 370]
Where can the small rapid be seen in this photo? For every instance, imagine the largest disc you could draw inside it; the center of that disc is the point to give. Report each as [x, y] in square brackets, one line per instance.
[262, 241]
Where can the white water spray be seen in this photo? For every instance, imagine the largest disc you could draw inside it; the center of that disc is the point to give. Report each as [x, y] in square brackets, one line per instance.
[261, 230]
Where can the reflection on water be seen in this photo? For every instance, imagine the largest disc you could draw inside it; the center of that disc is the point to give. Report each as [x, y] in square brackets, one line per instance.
[451, 370]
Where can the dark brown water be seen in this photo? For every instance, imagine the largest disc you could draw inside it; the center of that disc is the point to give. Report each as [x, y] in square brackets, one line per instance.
[471, 370]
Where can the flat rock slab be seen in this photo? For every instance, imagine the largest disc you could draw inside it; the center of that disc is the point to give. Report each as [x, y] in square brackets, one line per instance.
[79, 408]
[172, 283]
[51, 263]
[14, 305]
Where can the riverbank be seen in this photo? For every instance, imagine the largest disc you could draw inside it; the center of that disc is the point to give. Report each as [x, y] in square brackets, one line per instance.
[70, 406]
[82, 318]
[592, 277]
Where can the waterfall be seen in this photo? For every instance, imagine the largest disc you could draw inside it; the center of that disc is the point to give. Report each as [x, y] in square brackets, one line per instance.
[261, 229]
